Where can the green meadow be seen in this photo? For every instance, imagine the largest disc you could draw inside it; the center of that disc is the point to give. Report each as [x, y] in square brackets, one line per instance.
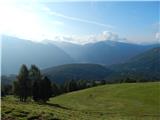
[127, 101]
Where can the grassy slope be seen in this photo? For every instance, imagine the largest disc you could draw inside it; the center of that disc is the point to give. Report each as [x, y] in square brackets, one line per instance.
[137, 101]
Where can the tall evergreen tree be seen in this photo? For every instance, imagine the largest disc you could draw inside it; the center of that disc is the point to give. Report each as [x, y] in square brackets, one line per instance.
[81, 84]
[70, 86]
[55, 89]
[35, 76]
[46, 89]
[36, 90]
[16, 88]
[22, 85]
[65, 86]
[34, 73]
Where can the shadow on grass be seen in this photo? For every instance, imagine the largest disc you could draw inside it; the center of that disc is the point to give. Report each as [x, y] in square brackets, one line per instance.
[57, 105]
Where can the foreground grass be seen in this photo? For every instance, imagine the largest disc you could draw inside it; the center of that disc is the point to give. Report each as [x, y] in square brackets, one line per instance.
[136, 101]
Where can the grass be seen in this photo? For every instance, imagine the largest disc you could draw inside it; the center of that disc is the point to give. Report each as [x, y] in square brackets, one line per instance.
[134, 101]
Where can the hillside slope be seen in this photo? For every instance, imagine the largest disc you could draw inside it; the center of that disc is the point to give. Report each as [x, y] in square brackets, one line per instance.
[138, 101]
[76, 72]
[144, 66]
[124, 99]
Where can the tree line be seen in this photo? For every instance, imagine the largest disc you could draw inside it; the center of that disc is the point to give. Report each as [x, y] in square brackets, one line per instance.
[31, 83]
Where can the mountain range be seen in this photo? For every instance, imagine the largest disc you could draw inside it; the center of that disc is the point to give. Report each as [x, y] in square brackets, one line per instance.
[142, 66]
[145, 66]
[103, 52]
[16, 51]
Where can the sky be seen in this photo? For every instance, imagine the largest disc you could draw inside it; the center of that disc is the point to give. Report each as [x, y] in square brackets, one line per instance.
[81, 22]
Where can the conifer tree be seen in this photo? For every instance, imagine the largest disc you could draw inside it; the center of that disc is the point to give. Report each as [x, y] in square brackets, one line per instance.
[35, 76]
[46, 89]
[23, 84]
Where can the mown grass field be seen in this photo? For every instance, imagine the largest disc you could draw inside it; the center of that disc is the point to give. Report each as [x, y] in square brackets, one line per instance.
[134, 101]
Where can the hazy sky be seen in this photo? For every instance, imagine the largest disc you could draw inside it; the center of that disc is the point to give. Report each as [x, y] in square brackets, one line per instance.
[81, 22]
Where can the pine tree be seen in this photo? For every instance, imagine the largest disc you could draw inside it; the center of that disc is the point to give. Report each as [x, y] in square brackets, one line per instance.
[81, 84]
[55, 89]
[46, 89]
[34, 73]
[36, 90]
[71, 86]
[35, 76]
[65, 86]
[22, 85]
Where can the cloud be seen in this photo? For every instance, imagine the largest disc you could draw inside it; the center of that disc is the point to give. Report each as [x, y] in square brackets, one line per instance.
[103, 36]
[76, 19]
